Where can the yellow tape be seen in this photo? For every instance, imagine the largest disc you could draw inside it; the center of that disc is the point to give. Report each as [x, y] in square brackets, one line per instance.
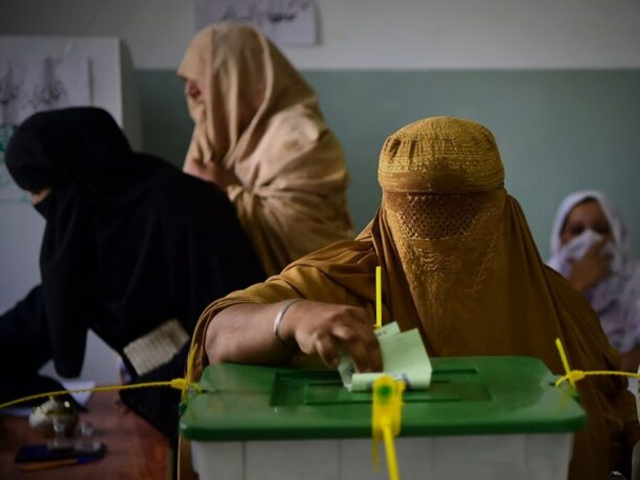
[386, 419]
[392, 461]
[177, 383]
[378, 297]
[573, 376]
[182, 384]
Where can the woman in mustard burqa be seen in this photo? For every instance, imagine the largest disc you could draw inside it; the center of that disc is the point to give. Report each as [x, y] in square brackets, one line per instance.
[459, 263]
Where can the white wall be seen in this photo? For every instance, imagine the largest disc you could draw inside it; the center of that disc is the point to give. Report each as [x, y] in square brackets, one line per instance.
[395, 34]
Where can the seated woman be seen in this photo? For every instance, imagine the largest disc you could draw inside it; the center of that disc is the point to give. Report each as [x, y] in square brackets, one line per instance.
[458, 263]
[133, 249]
[260, 135]
[590, 246]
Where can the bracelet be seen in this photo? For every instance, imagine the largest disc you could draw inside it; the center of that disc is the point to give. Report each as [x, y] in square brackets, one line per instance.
[278, 320]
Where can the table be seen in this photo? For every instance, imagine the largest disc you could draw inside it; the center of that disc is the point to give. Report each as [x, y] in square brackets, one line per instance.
[135, 449]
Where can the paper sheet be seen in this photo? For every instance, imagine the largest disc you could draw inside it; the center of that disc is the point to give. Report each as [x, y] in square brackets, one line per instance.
[403, 357]
[291, 22]
[34, 83]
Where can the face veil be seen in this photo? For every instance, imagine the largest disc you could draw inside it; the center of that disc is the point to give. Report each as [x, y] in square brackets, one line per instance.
[442, 182]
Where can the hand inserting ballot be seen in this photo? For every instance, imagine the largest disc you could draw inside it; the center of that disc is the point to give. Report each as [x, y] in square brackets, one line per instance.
[244, 333]
[327, 329]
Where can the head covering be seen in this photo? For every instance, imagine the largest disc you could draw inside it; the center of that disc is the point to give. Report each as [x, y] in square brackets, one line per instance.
[40, 156]
[130, 241]
[459, 263]
[615, 298]
[442, 192]
[618, 228]
[261, 126]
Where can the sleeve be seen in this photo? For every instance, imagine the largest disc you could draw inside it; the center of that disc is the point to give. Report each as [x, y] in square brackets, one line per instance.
[69, 280]
[341, 274]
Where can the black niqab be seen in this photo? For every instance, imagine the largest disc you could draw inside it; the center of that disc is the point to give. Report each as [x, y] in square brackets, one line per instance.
[130, 241]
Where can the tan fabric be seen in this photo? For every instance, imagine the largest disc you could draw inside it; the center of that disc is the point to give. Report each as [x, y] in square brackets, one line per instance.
[261, 129]
[459, 264]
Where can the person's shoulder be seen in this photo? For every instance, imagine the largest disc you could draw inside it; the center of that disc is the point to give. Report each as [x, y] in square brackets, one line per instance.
[631, 278]
[358, 253]
[174, 193]
[298, 120]
[182, 186]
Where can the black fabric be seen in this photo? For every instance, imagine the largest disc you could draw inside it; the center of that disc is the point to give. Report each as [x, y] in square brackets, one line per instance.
[130, 241]
[82, 145]
[159, 406]
[24, 348]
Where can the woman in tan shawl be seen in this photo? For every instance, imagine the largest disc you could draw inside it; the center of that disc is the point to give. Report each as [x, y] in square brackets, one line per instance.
[458, 263]
[259, 134]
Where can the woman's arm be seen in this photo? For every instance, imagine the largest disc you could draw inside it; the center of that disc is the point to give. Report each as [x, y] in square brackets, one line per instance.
[244, 333]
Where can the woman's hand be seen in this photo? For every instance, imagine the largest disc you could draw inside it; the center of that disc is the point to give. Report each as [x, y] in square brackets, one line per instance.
[328, 330]
[208, 171]
[243, 333]
[590, 269]
[40, 195]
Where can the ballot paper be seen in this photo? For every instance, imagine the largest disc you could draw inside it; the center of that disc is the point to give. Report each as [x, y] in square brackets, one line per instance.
[403, 357]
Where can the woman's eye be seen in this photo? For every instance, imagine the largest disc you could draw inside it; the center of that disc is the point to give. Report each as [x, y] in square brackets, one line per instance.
[576, 230]
[602, 229]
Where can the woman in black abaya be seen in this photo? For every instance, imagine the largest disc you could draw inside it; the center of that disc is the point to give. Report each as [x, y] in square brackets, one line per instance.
[132, 250]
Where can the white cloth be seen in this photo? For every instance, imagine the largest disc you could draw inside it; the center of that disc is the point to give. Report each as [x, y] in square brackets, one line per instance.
[616, 298]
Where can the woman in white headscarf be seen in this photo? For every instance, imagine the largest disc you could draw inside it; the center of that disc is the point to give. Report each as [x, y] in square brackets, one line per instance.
[590, 246]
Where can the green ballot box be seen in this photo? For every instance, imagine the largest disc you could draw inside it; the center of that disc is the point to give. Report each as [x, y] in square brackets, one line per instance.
[481, 418]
